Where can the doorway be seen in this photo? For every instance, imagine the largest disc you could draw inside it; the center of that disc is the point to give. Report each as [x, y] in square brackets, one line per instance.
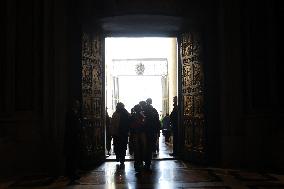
[192, 131]
[137, 69]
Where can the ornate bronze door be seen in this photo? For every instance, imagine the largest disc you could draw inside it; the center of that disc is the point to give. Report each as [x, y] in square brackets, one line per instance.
[192, 127]
[93, 137]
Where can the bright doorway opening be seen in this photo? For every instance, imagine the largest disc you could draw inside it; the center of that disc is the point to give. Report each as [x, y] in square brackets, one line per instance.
[141, 68]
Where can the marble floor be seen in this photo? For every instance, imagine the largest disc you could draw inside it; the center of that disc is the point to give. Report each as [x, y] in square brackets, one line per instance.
[166, 174]
[164, 150]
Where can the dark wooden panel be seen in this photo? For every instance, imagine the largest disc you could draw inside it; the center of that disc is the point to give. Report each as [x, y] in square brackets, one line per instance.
[279, 14]
[258, 39]
[259, 61]
[24, 62]
[3, 69]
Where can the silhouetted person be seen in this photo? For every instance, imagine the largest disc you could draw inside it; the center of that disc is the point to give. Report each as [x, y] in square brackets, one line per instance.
[108, 134]
[174, 124]
[166, 127]
[137, 132]
[150, 130]
[130, 141]
[156, 124]
[72, 140]
[120, 123]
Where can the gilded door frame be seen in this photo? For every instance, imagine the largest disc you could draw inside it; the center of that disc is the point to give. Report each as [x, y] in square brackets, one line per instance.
[93, 99]
[192, 131]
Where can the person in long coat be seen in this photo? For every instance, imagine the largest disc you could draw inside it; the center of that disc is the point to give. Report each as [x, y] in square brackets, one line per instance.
[138, 134]
[108, 134]
[120, 128]
[151, 127]
[174, 124]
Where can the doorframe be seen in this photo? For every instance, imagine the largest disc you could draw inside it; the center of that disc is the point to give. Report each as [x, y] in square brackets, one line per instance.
[176, 33]
[130, 35]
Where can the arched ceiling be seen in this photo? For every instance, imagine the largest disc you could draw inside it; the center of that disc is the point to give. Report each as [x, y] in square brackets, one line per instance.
[138, 24]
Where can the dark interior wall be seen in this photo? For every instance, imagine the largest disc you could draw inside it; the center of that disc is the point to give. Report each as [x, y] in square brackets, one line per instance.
[100, 8]
[21, 89]
[212, 48]
[74, 22]
[34, 87]
[251, 112]
[263, 108]
[231, 101]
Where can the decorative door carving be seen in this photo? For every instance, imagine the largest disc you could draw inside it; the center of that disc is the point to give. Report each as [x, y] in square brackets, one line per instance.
[192, 83]
[93, 143]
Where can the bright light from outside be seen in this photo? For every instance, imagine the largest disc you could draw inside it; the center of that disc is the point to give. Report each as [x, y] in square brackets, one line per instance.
[134, 88]
[144, 47]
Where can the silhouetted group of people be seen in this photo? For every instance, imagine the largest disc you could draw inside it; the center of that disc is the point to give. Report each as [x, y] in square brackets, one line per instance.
[141, 128]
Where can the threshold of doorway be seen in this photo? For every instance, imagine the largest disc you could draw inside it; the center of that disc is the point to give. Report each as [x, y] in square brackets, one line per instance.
[155, 159]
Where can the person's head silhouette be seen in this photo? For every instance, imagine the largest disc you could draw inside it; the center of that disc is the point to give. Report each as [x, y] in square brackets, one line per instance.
[149, 101]
[142, 104]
